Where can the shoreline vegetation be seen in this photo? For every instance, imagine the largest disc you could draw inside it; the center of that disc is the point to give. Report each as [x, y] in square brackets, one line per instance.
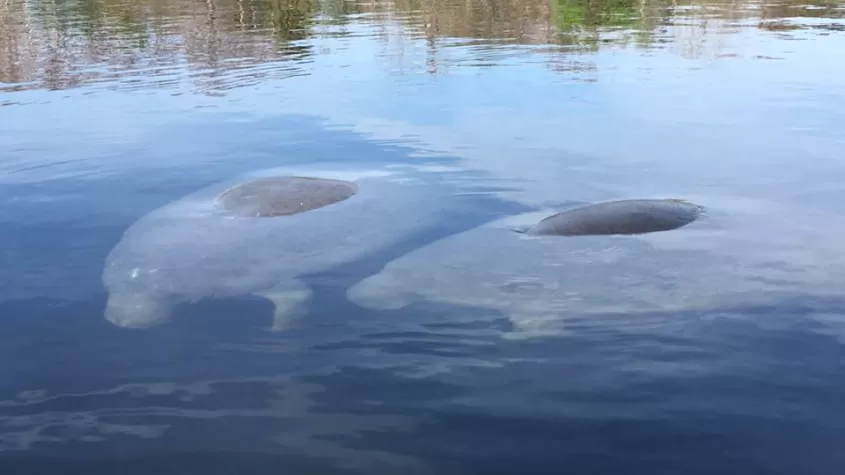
[56, 45]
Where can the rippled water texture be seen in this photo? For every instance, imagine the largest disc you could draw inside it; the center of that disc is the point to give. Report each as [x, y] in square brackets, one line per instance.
[430, 338]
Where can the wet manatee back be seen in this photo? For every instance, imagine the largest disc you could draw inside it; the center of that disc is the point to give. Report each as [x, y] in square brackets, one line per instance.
[284, 195]
[619, 217]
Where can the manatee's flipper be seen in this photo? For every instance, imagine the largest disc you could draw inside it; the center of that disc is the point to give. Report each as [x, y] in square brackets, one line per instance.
[378, 292]
[291, 301]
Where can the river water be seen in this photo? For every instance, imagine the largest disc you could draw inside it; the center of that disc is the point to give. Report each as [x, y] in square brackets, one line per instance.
[733, 362]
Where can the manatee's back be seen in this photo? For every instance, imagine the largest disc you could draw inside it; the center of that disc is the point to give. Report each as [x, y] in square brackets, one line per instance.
[381, 213]
[619, 217]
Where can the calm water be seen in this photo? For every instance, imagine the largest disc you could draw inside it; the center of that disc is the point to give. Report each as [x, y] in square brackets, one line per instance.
[112, 109]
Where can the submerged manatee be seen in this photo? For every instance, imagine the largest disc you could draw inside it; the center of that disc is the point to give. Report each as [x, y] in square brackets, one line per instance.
[618, 217]
[250, 237]
[539, 282]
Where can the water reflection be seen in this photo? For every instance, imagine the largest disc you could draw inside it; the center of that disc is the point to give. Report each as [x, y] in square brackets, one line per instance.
[684, 99]
[221, 43]
[58, 45]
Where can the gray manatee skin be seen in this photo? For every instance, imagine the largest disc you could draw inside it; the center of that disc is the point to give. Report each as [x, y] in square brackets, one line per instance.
[533, 281]
[193, 248]
[284, 196]
[540, 282]
[618, 217]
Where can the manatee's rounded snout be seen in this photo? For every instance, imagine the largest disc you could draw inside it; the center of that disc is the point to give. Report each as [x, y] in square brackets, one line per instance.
[379, 294]
[135, 310]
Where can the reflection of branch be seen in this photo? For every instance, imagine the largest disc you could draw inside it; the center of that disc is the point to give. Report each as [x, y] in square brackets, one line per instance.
[431, 54]
[211, 35]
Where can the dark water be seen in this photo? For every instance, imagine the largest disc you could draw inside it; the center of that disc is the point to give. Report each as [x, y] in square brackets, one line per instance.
[112, 109]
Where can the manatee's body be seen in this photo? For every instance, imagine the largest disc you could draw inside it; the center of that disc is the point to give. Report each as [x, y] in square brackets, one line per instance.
[202, 246]
[618, 217]
[541, 281]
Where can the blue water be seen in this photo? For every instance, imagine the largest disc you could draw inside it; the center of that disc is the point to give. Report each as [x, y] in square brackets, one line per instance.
[110, 110]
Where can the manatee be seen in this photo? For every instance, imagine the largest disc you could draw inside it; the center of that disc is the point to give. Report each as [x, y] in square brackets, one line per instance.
[618, 217]
[259, 234]
[539, 282]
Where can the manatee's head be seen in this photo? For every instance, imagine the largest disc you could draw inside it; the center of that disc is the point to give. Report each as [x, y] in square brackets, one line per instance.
[136, 310]
[380, 292]
[136, 298]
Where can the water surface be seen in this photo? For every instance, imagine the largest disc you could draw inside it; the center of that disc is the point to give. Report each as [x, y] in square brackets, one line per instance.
[112, 109]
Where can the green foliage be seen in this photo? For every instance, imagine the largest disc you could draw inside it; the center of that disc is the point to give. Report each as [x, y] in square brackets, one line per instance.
[580, 14]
